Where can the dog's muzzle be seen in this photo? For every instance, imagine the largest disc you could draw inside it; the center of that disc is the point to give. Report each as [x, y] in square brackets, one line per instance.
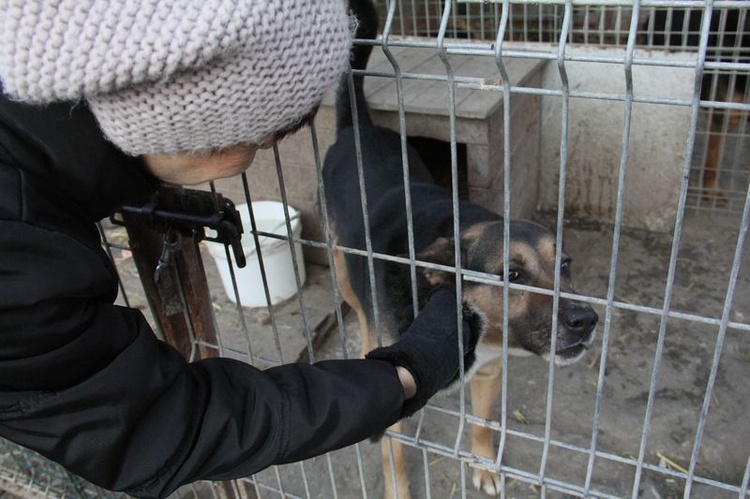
[578, 323]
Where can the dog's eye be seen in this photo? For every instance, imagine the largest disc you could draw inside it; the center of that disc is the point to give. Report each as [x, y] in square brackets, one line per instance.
[565, 266]
[513, 275]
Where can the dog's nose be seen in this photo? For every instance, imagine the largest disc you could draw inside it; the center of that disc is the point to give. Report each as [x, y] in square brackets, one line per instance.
[579, 318]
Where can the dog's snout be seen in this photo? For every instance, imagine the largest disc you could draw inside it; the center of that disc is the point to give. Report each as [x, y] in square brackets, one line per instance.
[579, 318]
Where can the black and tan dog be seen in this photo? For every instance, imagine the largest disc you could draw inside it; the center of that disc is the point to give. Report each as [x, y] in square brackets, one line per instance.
[532, 257]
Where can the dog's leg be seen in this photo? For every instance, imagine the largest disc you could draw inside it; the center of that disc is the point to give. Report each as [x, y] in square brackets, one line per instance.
[398, 465]
[485, 386]
[711, 191]
[720, 126]
[347, 293]
[402, 480]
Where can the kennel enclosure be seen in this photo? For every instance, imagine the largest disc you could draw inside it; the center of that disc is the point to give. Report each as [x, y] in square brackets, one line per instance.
[587, 117]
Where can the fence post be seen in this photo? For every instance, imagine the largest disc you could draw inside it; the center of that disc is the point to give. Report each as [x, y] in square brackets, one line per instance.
[177, 326]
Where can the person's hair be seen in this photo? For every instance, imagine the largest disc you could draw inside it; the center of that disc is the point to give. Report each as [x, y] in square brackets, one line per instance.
[297, 125]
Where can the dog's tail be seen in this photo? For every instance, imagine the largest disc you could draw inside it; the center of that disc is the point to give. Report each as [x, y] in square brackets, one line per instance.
[367, 29]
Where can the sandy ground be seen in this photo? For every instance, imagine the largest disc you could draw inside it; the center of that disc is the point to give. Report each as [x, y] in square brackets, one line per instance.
[700, 286]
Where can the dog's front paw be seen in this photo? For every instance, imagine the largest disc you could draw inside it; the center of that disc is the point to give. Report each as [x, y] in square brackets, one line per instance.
[487, 481]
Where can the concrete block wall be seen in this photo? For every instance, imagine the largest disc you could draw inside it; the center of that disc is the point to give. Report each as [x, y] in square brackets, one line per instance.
[657, 141]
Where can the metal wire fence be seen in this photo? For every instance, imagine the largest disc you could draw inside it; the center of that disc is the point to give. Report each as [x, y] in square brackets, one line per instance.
[675, 24]
[660, 406]
[663, 26]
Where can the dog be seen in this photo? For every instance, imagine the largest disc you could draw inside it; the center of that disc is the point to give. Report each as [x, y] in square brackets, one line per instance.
[728, 41]
[531, 252]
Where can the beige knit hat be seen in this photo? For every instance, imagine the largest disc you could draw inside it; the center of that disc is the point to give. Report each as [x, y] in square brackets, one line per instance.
[167, 76]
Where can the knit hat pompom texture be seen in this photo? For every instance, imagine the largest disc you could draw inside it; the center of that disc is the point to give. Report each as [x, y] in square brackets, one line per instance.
[168, 76]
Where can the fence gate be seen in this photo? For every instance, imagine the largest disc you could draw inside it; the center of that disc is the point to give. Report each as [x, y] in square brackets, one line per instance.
[621, 126]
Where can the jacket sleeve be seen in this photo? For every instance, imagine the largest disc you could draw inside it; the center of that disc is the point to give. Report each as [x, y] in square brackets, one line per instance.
[87, 384]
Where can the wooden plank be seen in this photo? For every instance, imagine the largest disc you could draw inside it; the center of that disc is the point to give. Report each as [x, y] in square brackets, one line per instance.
[379, 63]
[431, 97]
[188, 273]
[479, 104]
[382, 95]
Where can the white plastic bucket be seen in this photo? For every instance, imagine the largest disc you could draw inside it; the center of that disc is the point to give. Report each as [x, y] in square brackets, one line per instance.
[277, 256]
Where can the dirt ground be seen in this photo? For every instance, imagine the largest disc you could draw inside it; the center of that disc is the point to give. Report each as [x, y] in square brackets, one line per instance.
[700, 285]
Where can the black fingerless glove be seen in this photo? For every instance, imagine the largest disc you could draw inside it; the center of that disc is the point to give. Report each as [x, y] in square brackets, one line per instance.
[428, 349]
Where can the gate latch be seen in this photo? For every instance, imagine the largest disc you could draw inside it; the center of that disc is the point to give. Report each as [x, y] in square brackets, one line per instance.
[190, 212]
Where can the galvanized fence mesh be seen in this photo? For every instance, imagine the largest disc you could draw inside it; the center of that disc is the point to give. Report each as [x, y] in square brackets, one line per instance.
[671, 26]
[660, 23]
[660, 406]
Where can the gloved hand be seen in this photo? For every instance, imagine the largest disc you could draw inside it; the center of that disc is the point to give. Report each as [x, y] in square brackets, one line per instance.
[428, 349]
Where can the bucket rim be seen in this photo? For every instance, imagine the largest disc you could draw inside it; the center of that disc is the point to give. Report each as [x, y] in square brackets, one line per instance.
[216, 250]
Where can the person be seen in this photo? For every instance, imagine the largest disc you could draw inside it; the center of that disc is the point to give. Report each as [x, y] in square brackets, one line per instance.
[101, 101]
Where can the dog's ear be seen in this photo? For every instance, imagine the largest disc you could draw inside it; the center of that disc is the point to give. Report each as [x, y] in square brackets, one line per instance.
[442, 252]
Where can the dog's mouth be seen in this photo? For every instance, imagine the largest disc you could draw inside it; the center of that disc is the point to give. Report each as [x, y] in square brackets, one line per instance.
[567, 354]
[568, 350]
[570, 346]
[570, 354]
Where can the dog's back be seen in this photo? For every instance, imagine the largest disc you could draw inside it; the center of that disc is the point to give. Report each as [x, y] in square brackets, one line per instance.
[380, 147]
[382, 160]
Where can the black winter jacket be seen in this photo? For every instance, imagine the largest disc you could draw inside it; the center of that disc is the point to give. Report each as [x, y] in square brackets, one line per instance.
[87, 384]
